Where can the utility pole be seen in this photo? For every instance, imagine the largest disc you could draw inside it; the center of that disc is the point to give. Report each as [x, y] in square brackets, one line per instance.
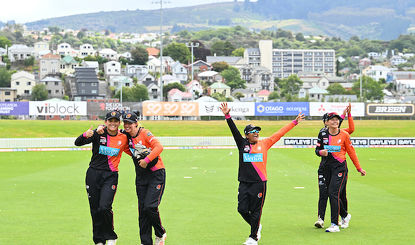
[192, 45]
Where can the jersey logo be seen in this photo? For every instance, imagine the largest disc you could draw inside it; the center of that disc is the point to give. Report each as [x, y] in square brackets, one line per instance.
[260, 195]
[103, 140]
[325, 140]
[253, 157]
[332, 148]
[247, 148]
[109, 151]
[340, 140]
[340, 175]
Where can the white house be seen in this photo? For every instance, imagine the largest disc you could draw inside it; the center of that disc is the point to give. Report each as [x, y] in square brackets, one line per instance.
[210, 76]
[20, 52]
[167, 79]
[317, 93]
[153, 89]
[41, 48]
[153, 64]
[195, 88]
[376, 72]
[23, 82]
[176, 95]
[66, 49]
[397, 60]
[112, 68]
[49, 64]
[179, 71]
[118, 81]
[135, 70]
[67, 65]
[91, 64]
[85, 50]
[126, 55]
[3, 51]
[108, 54]
[405, 87]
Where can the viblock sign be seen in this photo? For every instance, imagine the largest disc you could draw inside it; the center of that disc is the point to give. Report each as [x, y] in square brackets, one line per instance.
[281, 108]
[14, 108]
[65, 108]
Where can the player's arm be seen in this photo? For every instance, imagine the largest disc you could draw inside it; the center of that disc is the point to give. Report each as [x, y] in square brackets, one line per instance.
[277, 135]
[234, 130]
[352, 154]
[320, 151]
[85, 138]
[156, 147]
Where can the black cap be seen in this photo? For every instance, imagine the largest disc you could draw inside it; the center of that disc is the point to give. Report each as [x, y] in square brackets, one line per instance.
[332, 115]
[251, 127]
[130, 117]
[325, 116]
[113, 114]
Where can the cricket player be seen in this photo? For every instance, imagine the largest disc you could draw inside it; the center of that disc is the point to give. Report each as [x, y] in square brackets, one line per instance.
[333, 146]
[102, 175]
[252, 173]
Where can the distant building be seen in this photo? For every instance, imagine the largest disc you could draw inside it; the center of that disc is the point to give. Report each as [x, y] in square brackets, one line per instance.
[86, 85]
[54, 87]
[49, 65]
[112, 68]
[23, 82]
[376, 72]
[20, 52]
[108, 54]
[234, 61]
[220, 88]
[66, 49]
[68, 65]
[397, 60]
[8, 94]
[85, 50]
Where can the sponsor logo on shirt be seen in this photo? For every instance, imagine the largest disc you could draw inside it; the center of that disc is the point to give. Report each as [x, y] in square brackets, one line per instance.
[325, 140]
[253, 157]
[332, 148]
[247, 148]
[260, 195]
[340, 175]
[102, 140]
[109, 151]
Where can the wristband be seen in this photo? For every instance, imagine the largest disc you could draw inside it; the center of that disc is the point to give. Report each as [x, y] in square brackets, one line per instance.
[84, 134]
[295, 122]
[227, 116]
[147, 160]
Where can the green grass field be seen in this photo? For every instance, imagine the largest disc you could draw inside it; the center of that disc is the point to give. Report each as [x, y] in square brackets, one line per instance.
[43, 199]
[364, 128]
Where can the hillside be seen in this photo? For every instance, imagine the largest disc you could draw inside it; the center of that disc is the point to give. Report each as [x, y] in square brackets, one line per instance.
[372, 19]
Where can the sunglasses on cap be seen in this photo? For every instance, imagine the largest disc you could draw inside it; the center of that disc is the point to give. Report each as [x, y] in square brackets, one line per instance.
[253, 131]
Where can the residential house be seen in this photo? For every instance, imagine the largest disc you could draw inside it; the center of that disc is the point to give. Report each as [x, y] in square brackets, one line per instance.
[23, 82]
[167, 79]
[112, 68]
[317, 93]
[257, 78]
[179, 71]
[126, 55]
[206, 99]
[20, 52]
[66, 49]
[234, 61]
[145, 77]
[311, 80]
[152, 51]
[91, 64]
[153, 89]
[397, 60]
[195, 88]
[41, 48]
[54, 86]
[220, 88]
[118, 81]
[405, 87]
[68, 64]
[135, 70]
[340, 98]
[153, 64]
[8, 94]
[3, 51]
[108, 54]
[176, 95]
[85, 50]
[49, 64]
[365, 62]
[209, 76]
[376, 72]
[199, 66]
[263, 95]
[86, 85]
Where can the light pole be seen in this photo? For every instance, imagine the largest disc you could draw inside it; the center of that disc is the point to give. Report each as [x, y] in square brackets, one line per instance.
[361, 94]
[191, 46]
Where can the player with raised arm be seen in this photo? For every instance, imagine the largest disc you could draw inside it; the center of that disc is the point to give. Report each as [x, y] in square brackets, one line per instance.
[252, 174]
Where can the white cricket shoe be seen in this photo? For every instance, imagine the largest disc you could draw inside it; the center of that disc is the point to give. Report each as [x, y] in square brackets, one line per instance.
[319, 223]
[111, 242]
[258, 234]
[100, 243]
[250, 241]
[333, 228]
[160, 240]
[345, 221]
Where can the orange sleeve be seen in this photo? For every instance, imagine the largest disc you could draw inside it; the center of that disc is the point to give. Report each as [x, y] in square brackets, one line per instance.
[156, 147]
[352, 153]
[350, 121]
[277, 136]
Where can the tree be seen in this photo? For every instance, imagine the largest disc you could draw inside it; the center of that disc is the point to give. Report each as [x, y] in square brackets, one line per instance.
[200, 52]
[39, 92]
[222, 48]
[233, 78]
[136, 93]
[5, 78]
[299, 37]
[371, 89]
[336, 88]
[274, 95]
[221, 97]
[238, 95]
[178, 51]
[290, 86]
[29, 61]
[4, 41]
[239, 52]
[139, 56]
[220, 66]
[171, 86]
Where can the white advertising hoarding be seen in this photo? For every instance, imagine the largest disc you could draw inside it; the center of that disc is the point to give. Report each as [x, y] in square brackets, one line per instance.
[319, 108]
[237, 108]
[61, 108]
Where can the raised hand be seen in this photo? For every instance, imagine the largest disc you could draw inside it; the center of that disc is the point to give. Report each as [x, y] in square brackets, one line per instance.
[300, 117]
[224, 108]
[100, 129]
[89, 132]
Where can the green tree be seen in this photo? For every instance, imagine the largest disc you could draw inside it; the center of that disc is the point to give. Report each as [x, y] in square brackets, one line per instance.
[4, 41]
[171, 86]
[5, 78]
[39, 92]
[239, 52]
[336, 88]
[139, 56]
[178, 51]
[220, 66]
[274, 95]
[221, 97]
[222, 48]
[372, 90]
[290, 86]
[299, 37]
[136, 93]
[233, 78]
[29, 61]
[238, 95]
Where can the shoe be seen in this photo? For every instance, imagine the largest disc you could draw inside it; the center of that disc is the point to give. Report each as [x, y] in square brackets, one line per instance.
[160, 240]
[333, 228]
[345, 221]
[258, 234]
[100, 243]
[111, 242]
[319, 223]
[250, 241]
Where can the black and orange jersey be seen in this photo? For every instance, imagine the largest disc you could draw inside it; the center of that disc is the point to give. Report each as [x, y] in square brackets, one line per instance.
[147, 139]
[253, 157]
[106, 149]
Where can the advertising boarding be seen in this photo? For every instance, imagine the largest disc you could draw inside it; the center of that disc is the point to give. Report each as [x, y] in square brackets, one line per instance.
[319, 108]
[14, 108]
[390, 109]
[61, 108]
[170, 109]
[281, 108]
[237, 108]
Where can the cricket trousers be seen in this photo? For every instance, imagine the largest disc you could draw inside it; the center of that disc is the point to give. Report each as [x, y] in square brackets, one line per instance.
[251, 197]
[101, 186]
[337, 191]
[149, 191]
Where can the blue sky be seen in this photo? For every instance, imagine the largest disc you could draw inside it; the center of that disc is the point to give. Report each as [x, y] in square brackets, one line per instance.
[30, 10]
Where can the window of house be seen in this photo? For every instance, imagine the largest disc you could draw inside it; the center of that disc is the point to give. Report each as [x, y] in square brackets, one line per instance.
[93, 91]
[56, 91]
[17, 83]
[49, 91]
[27, 92]
[83, 91]
[56, 83]
[29, 83]
[7, 93]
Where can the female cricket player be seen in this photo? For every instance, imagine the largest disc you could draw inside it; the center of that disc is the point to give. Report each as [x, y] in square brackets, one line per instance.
[252, 174]
[333, 146]
[323, 190]
[102, 175]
